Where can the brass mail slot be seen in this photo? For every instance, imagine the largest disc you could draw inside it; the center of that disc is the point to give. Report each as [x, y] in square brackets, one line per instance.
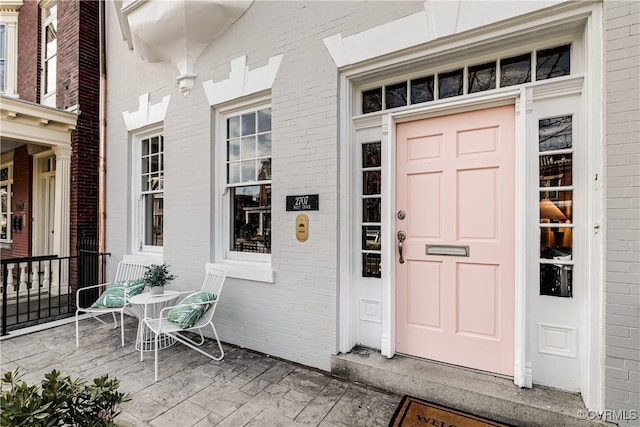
[447, 250]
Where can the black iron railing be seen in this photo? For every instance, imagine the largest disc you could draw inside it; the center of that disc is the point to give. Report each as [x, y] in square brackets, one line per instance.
[41, 289]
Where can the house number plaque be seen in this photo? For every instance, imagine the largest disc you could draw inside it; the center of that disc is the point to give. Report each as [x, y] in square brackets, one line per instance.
[307, 202]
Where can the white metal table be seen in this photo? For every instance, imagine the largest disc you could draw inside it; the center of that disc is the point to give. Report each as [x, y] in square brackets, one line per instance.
[145, 339]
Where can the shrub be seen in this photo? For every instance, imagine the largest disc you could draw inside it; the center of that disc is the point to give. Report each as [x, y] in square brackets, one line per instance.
[59, 401]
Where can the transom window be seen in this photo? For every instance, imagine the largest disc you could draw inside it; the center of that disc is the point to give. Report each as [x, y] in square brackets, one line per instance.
[543, 64]
[248, 177]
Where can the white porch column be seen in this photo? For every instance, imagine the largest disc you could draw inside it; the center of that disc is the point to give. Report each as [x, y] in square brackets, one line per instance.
[62, 218]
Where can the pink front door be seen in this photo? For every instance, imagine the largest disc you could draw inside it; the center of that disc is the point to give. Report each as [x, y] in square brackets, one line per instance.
[455, 284]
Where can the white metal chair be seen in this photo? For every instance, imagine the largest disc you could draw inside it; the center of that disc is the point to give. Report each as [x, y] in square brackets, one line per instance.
[127, 270]
[213, 283]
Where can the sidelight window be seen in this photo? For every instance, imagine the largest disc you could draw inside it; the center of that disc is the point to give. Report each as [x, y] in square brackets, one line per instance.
[371, 209]
[555, 148]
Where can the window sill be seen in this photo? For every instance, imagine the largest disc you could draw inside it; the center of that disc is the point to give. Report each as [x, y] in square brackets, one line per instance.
[255, 271]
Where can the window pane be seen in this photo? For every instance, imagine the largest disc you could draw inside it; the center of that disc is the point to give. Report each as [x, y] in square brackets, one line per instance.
[556, 280]
[555, 133]
[556, 243]
[233, 149]
[249, 124]
[4, 197]
[4, 225]
[248, 172]
[371, 182]
[251, 213]
[515, 70]
[556, 170]
[371, 157]
[264, 120]
[371, 210]
[372, 100]
[396, 95]
[371, 265]
[51, 35]
[153, 219]
[422, 90]
[553, 62]
[4, 174]
[50, 75]
[264, 145]
[2, 41]
[233, 173]
[265, 169]
[450, 84]
[482, 77]
[233, 127]
[155, 145]
[371, 237]
[248, 150]
[556, 207]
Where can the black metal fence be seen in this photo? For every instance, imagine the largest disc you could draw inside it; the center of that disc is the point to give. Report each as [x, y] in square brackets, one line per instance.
[41, 289]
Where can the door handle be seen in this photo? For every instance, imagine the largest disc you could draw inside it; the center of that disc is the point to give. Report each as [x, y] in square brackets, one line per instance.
[401, 236]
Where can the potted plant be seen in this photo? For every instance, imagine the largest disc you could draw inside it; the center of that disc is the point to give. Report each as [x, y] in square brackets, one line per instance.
[156, 277]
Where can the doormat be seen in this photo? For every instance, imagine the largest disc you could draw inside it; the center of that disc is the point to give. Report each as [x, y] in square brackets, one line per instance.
[413, 412]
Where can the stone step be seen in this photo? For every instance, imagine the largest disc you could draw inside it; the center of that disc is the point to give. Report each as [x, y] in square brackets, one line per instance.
[471, 391]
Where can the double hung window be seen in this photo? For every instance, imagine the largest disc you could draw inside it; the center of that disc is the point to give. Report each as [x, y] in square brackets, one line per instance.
[49, 53]
[150, 193]
[248, 182]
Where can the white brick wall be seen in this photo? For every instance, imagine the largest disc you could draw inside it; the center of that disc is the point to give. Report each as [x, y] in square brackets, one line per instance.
[295, 317]
[622, 139]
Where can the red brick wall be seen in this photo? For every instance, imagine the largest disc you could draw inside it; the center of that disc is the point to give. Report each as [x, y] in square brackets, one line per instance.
[28, 56]
[22, 185]
[80, 61]
[77, 85]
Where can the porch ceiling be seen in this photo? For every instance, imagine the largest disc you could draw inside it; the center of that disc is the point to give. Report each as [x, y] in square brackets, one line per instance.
[27, 122]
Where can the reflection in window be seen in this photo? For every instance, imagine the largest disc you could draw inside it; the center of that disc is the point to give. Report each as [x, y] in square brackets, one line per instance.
[556, 206]
[422, 90]
[553, 62]
[5, 205]
[555, 133]
[152, 189]
[50, 49]
[396, 95]
[515, 70]
[371, 209]
[482, 77]
[3, 55]
[450, 84]
[249, 179]
[372, 100]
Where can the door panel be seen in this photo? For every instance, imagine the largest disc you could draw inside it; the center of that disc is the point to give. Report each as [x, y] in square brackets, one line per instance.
[455, 180]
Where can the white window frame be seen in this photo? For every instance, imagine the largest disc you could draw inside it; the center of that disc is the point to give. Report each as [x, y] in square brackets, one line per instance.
[9, 19]
[48, 97]
[9, 212]
[242, 265]
[3, 56]
[137, 203]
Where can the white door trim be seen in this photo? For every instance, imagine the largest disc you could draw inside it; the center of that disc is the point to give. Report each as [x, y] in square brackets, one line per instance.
[589, 43]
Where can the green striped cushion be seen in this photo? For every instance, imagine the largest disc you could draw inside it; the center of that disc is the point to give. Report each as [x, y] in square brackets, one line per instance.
[113, 296]
[187, 313]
